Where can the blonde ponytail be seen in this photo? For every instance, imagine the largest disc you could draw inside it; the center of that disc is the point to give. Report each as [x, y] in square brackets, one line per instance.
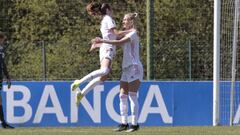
[132, 16]
[135, 15]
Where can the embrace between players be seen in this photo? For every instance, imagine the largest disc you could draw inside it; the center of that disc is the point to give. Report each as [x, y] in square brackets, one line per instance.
[132, 69]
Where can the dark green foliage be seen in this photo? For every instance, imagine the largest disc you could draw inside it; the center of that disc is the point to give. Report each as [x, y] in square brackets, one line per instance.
[66, 30]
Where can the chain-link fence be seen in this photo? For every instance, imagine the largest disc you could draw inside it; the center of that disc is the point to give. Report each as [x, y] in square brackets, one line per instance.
[49, 39]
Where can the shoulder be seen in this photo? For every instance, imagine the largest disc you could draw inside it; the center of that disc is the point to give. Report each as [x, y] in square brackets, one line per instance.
[106, 18]
[132, 33]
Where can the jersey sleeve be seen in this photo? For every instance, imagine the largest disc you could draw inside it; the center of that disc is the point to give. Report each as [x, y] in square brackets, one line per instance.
[131, 35]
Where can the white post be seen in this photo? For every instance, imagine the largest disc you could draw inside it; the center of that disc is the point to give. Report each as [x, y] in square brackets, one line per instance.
[216, 61]
[234, 56]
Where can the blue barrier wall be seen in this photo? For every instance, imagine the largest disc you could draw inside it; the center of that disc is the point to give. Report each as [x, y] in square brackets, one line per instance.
[53, 104]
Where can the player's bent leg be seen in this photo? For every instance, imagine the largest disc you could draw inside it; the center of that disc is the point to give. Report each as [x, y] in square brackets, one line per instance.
[91, 85]
[97, 73]
[106, 63]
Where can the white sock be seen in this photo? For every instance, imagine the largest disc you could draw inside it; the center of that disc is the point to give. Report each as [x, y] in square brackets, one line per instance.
[134, 107]
[94, 74]
[91, 85]
[123, 107]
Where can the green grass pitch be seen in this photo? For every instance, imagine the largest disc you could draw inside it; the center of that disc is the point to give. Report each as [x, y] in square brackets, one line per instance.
[221, 130]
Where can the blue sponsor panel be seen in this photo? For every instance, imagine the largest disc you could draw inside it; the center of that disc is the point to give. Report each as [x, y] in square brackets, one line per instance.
[225, 95]
[225, 89]
[156, 104]
[193, 103]
[40, 104]
[37, 104]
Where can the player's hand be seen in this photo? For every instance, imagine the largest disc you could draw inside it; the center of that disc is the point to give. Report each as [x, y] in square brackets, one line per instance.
[9, 83]
[93, 41]
[96, 40]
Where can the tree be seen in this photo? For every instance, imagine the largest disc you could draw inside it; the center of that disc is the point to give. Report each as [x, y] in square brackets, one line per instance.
[66, 29]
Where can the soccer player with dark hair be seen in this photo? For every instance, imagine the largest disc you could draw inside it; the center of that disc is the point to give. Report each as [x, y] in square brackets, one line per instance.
[106, 51]
[3, 71]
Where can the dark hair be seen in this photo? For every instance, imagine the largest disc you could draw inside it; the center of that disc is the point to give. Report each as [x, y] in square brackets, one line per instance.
[2, 35]
[95, 9]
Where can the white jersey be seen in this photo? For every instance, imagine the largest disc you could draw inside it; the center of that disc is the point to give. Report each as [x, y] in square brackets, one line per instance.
[106, 25]
[107, 50]
[131, 51]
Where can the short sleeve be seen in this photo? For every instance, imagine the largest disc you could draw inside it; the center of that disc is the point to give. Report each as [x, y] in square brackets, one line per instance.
[131, 35]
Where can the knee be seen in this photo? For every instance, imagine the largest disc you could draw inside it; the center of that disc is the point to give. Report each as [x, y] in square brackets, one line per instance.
[123, 96]
[133, 96]
[105, 71]
[123, 91]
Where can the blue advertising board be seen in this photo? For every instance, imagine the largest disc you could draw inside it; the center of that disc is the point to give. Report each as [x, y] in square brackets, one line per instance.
[52, 103]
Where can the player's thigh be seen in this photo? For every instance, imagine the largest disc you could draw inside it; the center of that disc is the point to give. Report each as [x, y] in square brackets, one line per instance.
[124, 87]
[134, 85]
[106, 63]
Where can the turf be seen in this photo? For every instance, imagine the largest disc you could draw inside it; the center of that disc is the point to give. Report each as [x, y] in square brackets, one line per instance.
[108, 131]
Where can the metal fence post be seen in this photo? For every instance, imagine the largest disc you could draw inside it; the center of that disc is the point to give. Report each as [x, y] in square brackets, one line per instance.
[150, 25]
[189, 60]
[44, 66]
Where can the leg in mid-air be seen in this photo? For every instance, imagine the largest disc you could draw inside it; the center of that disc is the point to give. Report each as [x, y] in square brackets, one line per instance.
[105, 64]
[88, 87]
[100, 72]
[103, 71]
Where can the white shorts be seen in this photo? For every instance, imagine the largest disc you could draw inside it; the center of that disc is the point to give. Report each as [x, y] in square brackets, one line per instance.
[107, 51]
[132, 73]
